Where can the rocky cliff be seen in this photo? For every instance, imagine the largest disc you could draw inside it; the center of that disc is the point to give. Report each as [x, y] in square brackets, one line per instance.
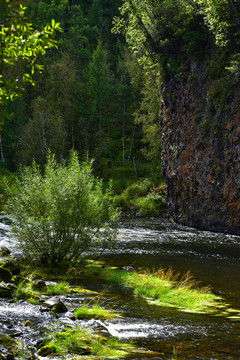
[200, 136]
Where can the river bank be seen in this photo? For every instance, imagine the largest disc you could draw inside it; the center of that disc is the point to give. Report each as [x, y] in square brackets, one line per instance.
[157, 331]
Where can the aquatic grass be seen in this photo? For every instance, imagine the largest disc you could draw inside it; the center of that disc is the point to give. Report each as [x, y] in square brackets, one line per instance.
[24, 291]
[166, 291]
[165, 288]
[94, 312]
[83, 341]
[60, 288]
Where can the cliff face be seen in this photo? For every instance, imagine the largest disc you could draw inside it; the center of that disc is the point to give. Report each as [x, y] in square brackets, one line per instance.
[200, 137]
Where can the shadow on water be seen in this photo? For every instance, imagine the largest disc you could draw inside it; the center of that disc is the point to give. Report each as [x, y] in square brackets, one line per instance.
[159, 332]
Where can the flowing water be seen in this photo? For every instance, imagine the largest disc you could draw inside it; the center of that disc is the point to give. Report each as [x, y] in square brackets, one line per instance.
[159, 332]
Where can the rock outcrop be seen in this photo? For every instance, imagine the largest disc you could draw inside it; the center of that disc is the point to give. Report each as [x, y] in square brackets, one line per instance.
[200, 136]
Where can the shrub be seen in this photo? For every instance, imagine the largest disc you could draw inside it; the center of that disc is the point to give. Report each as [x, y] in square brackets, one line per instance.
[62, 212]
[7, 181]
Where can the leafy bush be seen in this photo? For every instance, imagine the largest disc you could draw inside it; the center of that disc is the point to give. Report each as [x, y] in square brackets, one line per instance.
[152, 204]
[7, 181]
[62, 212]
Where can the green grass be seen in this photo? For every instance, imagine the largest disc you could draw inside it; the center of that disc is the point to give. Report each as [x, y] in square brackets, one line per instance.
[95, 312]
[165, 288]
[24, 291]
[143, 197]
[79, 341]
[60, 288]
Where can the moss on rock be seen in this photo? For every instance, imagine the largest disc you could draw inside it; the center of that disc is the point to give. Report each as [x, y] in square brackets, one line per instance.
[4, 251]
[9, 347]
[47, 350]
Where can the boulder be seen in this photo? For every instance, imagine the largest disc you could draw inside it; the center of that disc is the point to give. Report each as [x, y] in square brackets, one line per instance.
[5, 274]
[59, 307]
[5, 291]
[39, 285]
[13, 266]
[47, 350]
[4, 251]
[8, 347]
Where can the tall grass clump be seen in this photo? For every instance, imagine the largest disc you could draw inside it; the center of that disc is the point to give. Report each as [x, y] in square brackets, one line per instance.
[83, 342]
[62, 211]
[167, 289]
[94, 312]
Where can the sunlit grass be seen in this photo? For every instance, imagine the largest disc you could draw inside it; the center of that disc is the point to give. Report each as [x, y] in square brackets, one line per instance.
[60, 288]
[94, 312]
[80, 341]
[24, 291]
[165, 288]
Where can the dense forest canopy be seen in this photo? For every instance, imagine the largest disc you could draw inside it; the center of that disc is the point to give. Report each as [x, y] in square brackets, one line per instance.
[100, 89]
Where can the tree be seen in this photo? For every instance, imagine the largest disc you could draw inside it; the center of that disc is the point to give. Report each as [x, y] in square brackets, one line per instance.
[20, 46]
[100, 87]
[62, 89]
[44, 131]
[63, 212]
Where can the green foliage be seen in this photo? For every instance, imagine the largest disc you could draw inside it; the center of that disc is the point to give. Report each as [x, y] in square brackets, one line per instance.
[147, 114]
[7, 183]
[20, 42]
[152, 204]
[142, 197]
[62, 212]
[94, 312]
[216, 16]
[166, 288]
[83, 342]
[44, 131]
[221, 91]
[25, 291]
[60, 288]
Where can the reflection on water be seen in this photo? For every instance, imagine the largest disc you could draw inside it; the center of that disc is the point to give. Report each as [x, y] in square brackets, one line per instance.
[213, 260]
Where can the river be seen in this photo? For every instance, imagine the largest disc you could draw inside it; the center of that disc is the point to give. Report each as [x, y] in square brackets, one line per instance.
[160, 332]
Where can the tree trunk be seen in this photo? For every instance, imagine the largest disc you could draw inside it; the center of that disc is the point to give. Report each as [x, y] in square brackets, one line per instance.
[1, 150]
[123, 131]
[131, 146]
[109, 150]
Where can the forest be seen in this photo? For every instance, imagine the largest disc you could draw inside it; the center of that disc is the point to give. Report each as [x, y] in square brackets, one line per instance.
[119, 124]
[97, 89]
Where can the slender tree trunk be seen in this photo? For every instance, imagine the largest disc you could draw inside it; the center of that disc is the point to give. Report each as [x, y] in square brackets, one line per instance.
[109, 149]
[1, 150]
[135, 166]
[86, 138]
[73, 144]
[123, 131]
[131, 146]
[44, 140]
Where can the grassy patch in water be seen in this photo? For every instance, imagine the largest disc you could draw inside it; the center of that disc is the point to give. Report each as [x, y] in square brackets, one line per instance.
[164, 288]
[60, 288]
[83, 342]
[94, 312]
[24, 291]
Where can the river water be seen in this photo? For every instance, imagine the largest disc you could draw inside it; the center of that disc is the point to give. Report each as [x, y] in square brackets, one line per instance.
[159, 332]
